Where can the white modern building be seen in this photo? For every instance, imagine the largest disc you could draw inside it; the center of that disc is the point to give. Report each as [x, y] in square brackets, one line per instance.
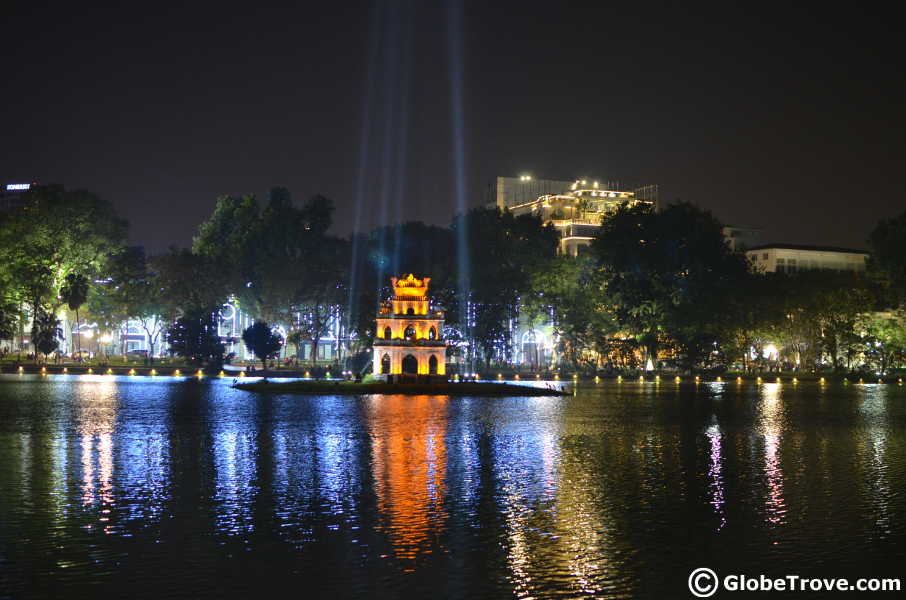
[791, 258]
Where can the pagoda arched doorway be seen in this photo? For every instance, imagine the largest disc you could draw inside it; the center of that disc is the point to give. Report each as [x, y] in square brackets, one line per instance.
[385, 364]
[410, 364]
[432, 365]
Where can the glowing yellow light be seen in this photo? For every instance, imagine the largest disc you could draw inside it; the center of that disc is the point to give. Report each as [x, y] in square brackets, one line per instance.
[619, 379]
[106, 338]
[758, 380]
[641, 378]
[860, 380]
[153, 372]
[499, 376]
[538, 376]
[242, 373]
[719, 379]
[44, 369]
[199, 373]
[176, 373]
[90, 371]
[220, 374]
[517, 377]
[778, 380]
[678, 379]
[597, 379]
[697, 379]
[900, 381]
[328, 374]
[739, 380]
[20, 369]
[306, 374]
[880, 381]
[657, 377]
[795, 380]
[132, 371]
[65, 370]
[821, 380]
[557, 376]
[110, 371]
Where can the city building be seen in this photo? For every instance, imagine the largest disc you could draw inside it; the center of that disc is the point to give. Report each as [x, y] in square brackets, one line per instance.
[741, 238]
[790, 258]
[575, 208]
[409, 337]
[12, 195]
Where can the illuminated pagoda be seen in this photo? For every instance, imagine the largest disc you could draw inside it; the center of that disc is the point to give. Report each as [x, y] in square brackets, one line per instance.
[409, 335]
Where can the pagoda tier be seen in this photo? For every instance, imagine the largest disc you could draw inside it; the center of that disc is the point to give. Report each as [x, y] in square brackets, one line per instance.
[409, 335]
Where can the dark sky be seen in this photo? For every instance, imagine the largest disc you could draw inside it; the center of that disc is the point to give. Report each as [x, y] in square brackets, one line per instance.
[786, 119]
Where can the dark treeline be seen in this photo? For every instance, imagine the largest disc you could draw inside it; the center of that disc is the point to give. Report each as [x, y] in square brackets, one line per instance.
[660, 287]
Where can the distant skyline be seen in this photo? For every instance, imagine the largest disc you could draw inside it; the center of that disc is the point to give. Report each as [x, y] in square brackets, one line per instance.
[786, 121]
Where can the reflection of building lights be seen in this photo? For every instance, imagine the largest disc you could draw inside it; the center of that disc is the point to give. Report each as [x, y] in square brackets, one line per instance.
[106, 338]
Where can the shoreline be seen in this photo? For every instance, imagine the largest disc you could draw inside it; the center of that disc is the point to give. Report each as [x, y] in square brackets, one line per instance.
[412, 389]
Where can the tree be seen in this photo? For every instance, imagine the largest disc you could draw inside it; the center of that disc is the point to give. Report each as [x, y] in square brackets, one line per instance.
[46, 333]
[57, 233]
[261, 340]
[568, 288]
[189, 282]
[75, 294]
[667, 275]
[888, 257]
[195, 336]
[503, 249]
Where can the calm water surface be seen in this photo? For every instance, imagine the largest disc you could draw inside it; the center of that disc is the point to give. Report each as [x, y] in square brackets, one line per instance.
[113, 487]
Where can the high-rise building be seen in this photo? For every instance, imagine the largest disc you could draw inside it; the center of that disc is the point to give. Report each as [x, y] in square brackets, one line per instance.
[12, 195]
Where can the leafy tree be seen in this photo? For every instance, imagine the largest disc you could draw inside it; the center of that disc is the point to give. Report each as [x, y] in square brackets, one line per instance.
[56, 234]
[138, 294]
[885, 339]
[189, 283]
[195, 336]
[503, 249]
[888, 257]
[261, 340]
[667, 275]
[46, 333]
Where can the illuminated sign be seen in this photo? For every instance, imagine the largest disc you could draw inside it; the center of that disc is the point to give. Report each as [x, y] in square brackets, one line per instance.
[12, 187]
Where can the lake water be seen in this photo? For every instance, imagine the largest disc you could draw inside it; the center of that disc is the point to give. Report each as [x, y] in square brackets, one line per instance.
[136, 487]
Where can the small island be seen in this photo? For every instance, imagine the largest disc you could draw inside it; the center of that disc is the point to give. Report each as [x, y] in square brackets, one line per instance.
[466, 388]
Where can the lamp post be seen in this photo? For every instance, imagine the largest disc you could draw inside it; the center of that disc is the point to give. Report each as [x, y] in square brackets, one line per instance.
[104, 339]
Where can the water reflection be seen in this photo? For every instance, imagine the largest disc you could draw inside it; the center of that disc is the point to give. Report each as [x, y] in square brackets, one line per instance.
[409, 464]
[615, 492]
[874, 447]
[771, 422]
[715, 475]
[95, 417]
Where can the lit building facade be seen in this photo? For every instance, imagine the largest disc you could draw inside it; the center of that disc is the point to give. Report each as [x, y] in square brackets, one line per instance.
[409, 336]
[792, 258]
[12, 195]
[575, 208]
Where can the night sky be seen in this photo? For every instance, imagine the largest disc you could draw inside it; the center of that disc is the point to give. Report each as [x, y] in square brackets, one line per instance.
[790, 121]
